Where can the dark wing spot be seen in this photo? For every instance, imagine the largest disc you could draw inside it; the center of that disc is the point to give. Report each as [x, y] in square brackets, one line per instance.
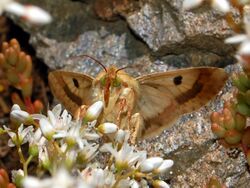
[177, 80]
[76, 83]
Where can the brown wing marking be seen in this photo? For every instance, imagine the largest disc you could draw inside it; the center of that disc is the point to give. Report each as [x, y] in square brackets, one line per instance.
[71, 89]
[176, 93]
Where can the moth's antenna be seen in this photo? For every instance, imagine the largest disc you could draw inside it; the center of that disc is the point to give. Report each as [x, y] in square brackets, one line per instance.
[121, 69]
[94, 60]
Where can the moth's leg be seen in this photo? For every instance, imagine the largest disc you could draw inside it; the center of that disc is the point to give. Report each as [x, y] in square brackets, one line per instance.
[125, 104]
[80, 112]
[135, 127]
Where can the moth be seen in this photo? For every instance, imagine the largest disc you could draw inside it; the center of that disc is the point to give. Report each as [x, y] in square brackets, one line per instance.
[151, 102]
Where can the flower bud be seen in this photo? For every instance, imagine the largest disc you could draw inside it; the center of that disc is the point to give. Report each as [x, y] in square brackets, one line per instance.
[12, 77]
[229, 122]
[33, 150]
[243, 109]
[38, 105]
[166, 165]
[240, 122]
[189, 4]
[28, 68]
[107, 128]
[238, 84]
[232, 137]
[33, 14]
[160, 184]
[215, 117]
[20, 116]
[221, 5]
[93, 111]
[150, 164]
[15, 107]
[218, 130]
[26, 87]
[244, 80]
[12, 57]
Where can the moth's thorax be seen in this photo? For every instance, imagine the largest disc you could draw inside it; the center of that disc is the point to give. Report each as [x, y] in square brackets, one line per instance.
[115, 93]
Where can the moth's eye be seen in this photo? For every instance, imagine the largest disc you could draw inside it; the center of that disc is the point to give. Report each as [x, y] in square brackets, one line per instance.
[116, 82]
[103, 80]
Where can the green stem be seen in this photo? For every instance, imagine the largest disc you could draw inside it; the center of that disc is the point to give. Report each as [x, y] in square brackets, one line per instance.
[26, 164]
[22, 159]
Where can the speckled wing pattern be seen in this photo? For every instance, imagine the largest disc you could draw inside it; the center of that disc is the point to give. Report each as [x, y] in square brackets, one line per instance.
[166, 96]
[70, 88]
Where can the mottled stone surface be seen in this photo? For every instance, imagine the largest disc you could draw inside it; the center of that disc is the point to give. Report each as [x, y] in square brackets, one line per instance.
[167, 28]
[155, 37]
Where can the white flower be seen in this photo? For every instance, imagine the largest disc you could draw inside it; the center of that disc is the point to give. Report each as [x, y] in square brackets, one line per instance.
[47, 129]
[98, 177]
[221, 5]
[94, 111]
[23, 135]
[150, 164]
[72, 135]
[125, 157]
[61, 179]
[87, 151]
[107, 128]
[70, 158]
[56, 122]
[32, 14]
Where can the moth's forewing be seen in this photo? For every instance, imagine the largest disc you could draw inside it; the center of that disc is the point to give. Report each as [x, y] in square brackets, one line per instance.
[71, 89]
[166, 96]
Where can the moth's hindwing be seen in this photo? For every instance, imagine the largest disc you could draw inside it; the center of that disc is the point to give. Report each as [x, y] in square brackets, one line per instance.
[71, 89]
[166, 96]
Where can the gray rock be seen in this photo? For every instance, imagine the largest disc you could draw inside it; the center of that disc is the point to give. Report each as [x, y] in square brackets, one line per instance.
[167, 28]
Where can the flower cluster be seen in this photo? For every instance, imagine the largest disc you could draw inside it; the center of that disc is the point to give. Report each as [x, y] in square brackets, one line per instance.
[17, 68]
[229, 124]
[79, 152]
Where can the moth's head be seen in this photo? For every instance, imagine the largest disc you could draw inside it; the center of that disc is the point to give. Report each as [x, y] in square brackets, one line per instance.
[110, 82]
[110, 78]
